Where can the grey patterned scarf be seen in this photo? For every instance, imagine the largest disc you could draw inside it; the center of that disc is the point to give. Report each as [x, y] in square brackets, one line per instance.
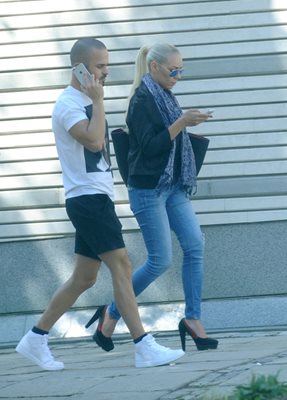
[170, 111]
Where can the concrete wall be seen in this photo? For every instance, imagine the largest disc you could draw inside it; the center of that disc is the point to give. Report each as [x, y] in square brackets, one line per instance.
[240, 262]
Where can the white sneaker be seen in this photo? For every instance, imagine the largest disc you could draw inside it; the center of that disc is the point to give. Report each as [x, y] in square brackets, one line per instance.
[150, 354]
[35, 347]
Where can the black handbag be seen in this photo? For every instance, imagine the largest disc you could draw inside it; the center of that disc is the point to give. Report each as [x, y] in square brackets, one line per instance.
[120, 140]
[199, 145]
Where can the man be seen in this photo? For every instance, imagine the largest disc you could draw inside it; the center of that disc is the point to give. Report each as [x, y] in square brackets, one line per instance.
[81, 137]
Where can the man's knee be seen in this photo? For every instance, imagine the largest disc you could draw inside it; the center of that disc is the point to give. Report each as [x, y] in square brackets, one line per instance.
[88, 283]
[82, 283]
[117, 261]
[124, 266]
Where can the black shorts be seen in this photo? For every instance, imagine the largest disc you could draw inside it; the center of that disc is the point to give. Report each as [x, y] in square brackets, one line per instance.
[98, 228]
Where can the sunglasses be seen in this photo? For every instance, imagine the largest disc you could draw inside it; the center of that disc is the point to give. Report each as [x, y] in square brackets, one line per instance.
[173, 72]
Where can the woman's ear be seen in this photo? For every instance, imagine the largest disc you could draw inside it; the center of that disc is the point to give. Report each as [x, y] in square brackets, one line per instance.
[153, 66]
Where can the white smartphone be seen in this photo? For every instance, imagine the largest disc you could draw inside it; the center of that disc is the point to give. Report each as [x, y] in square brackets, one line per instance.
[80, 72]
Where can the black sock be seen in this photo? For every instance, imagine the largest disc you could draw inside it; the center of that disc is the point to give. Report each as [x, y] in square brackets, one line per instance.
[137, 340]
[39, 331]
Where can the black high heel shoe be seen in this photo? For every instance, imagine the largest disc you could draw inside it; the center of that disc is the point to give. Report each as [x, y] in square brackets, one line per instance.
[103, 341]
[201, 343]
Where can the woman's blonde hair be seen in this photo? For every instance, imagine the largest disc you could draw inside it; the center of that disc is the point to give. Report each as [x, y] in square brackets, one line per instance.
[158, 52]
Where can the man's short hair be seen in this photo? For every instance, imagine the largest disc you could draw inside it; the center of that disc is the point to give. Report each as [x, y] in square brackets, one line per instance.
[81, 50]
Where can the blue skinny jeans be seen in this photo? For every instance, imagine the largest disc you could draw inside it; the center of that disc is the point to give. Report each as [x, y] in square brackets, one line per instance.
[158, 214]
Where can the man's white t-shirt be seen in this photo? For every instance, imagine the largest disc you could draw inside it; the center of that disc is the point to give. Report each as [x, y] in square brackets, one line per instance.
[84, 171]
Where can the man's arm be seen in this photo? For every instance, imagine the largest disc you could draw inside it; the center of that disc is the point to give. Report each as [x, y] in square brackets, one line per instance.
[91, 133]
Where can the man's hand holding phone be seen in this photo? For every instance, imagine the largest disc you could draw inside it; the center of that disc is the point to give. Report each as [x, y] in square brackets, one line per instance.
[89, 85]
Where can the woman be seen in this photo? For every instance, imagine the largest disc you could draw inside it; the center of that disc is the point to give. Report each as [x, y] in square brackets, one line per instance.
[162, 178]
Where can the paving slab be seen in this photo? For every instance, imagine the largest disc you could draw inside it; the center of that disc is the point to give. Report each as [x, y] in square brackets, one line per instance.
[92, 374]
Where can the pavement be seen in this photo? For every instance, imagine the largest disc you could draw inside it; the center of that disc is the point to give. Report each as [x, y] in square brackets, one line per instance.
[91, 373]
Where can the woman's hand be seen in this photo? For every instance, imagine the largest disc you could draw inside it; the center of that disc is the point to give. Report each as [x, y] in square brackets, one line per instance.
[194, 117]
[189, 118]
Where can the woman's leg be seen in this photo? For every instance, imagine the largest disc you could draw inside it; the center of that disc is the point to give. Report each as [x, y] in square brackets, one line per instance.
[150, 211]
[184, 223]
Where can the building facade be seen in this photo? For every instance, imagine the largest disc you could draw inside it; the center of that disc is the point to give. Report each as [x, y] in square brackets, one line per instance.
[235, 61]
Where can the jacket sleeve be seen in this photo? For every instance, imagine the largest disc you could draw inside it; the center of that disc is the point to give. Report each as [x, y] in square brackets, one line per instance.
[146, 123]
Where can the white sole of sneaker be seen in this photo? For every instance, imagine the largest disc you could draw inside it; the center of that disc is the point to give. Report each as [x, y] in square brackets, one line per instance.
[172, 358]
[30, 357]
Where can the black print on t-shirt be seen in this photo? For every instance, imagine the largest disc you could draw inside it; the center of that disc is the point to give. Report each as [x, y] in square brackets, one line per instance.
[97, 161]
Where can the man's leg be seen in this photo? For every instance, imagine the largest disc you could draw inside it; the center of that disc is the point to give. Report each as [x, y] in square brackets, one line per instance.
[34, 345]
[121, 270]
[148, 353]
[83, 277]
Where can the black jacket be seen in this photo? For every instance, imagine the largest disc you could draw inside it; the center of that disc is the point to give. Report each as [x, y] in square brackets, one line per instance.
[150, 141]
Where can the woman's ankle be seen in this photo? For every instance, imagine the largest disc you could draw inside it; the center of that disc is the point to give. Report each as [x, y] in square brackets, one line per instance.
[108, 326]
[197, 327]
